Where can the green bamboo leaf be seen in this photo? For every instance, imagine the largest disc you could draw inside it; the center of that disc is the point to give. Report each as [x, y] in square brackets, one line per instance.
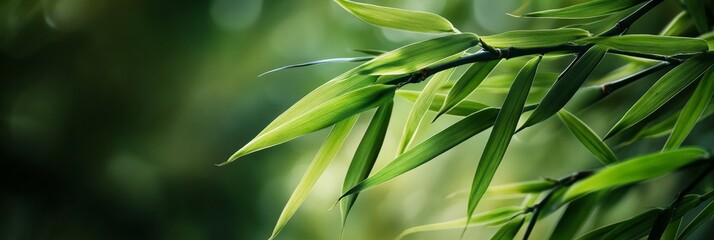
[709, 37]
[366, 154]
[636, 226]
[319, 117]
[587, 137]
[466, 84]
[643, 43]
[566, 86]
[331, 60]
[535, 38]
[323, 158]
[503, 82]
[402, 19]
[692, 111]
[664, 127]
[603, 24]
[372, 52]
[574, 217]
[503, 129]
[660, 224]
[522, 187]
[663, 90]
[510, 230]
[680, 25]
[699, 14]
[490, 218]
[635, 170]
[416, 56]
[416, 116]
[588, 9]
[429, 149]
[700, 219]
[670, 233]
[463, 108]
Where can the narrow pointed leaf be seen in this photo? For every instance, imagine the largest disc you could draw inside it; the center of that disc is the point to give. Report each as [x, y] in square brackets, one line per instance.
[635, 170]
[490, 218]
[414, 57]
[692, 111]
[510, 229]
[587, 137]
[588, 9]
[566, 86]
[535, 38]
[331, 60]
[663, 90]
[663, 45]
[402, 19]
[429, 149]
[366, 154]
[660, 224]
[574, 217]
[322, 116]
[680, 25]
[467, 83]
[665, 127]
[522, 187]
[700, 219]
[502, 132]
[463, 108]
[373, 52]
[641, 223]
[699, 14]
[323, 158]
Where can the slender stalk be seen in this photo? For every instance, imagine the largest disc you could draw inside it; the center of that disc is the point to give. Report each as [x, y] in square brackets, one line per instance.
[613, 86]
[623, 25]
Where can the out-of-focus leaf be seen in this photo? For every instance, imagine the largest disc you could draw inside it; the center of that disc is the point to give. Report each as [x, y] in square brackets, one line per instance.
[429, 149]
[700, 219]
[502, 132]
[603, 24]
[510, 229]
[670, 233]
[373, 52]
[699, 14]
[319, 117]
[503, 82]
[664, 127]
[663, 90]
[660, 224]
[587, 137]
[692, 111]
[585, 97]
[643, 43]
[416, 117]
[635, 170]
[574, 217]
[587, 9]
[679, 25]
[490, 218]
[631, 228]
[402, 19]
[555, 202]
[566, 86]
[709, 37]
[463, 108]
[414, 57]
[535, 38]
[366, 154]
[466, 84]
[522, 187]
[331, 60]
[323, 158]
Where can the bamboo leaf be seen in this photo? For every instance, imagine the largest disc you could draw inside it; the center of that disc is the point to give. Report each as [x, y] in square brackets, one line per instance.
[692, 111]
[700, 219]
[665, 127]
[372, 52]
[664, 45]
[635, 170]
[638, 224]
[566, 86]
[502, 132]
[699, 14]
[588, 9]
[323, 158]
[574, 217]
[663, 90]
[510, 230]
[660, 224]
[366, 154]
[417, 56]
[490, 218]
[680, 25]
[466, 84]
[463, 108]
[331, 60]
[402, 19]
[587, 137]
[522, 187]
[429, 149]
[535, 38]
[320, 117]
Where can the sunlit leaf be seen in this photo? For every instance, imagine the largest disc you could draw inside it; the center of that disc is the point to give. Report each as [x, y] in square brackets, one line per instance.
[643, 43]
[699, 14]
[535, 38]
[679, 25]
[510, 229]
[490, 218]
[319, 117]
[588, 9]
[637, 225]
[402, 19]
[463, 108]
[700, 219]
[692, 111]
[574, 217]
[522, 187]
[502, 132]
[466, 84]
[331, 60]
[663, 90]
[366, 154]
[567, 85]
[587, 137]
[323, 158]
[637, 169]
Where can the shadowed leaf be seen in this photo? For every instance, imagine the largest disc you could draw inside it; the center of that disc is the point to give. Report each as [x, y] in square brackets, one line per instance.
[588, 9]
[700, 219]
[641, 222]
[680, 25]
[510, 229]
[535, 38]
[699, 14]
[402, 19]
[574, 217]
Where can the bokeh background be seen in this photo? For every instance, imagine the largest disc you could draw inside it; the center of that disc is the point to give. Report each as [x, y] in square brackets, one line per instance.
[113, 114]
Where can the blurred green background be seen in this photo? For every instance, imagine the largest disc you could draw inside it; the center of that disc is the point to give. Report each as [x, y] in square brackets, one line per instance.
[114, 113]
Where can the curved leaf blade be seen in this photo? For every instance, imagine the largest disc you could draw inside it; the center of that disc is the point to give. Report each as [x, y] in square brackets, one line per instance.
[679, 25]
[463, 108]
[587, 137]
[535, 38]
[331, 60]
[692, 111]
[638, 225]
[510, 230]
[522, 187]
[700, 219]
[466, 84]
[574, 217]
[490, 218]
[643, 43]
[401, 19]
[589, 9]
[699, 14]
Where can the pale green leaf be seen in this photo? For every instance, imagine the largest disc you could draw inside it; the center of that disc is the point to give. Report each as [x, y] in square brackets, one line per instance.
[635, 170]
[490, 218]
[463, 108]
[574, 217]
[692, 111]
[700, 219]
[323, 158]
[535, 38]
[643, 43]
[587, 9]
[402, 19]
[466, 84]
[510, 229]
[503, 129]
[522, 187]
[587, 137]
